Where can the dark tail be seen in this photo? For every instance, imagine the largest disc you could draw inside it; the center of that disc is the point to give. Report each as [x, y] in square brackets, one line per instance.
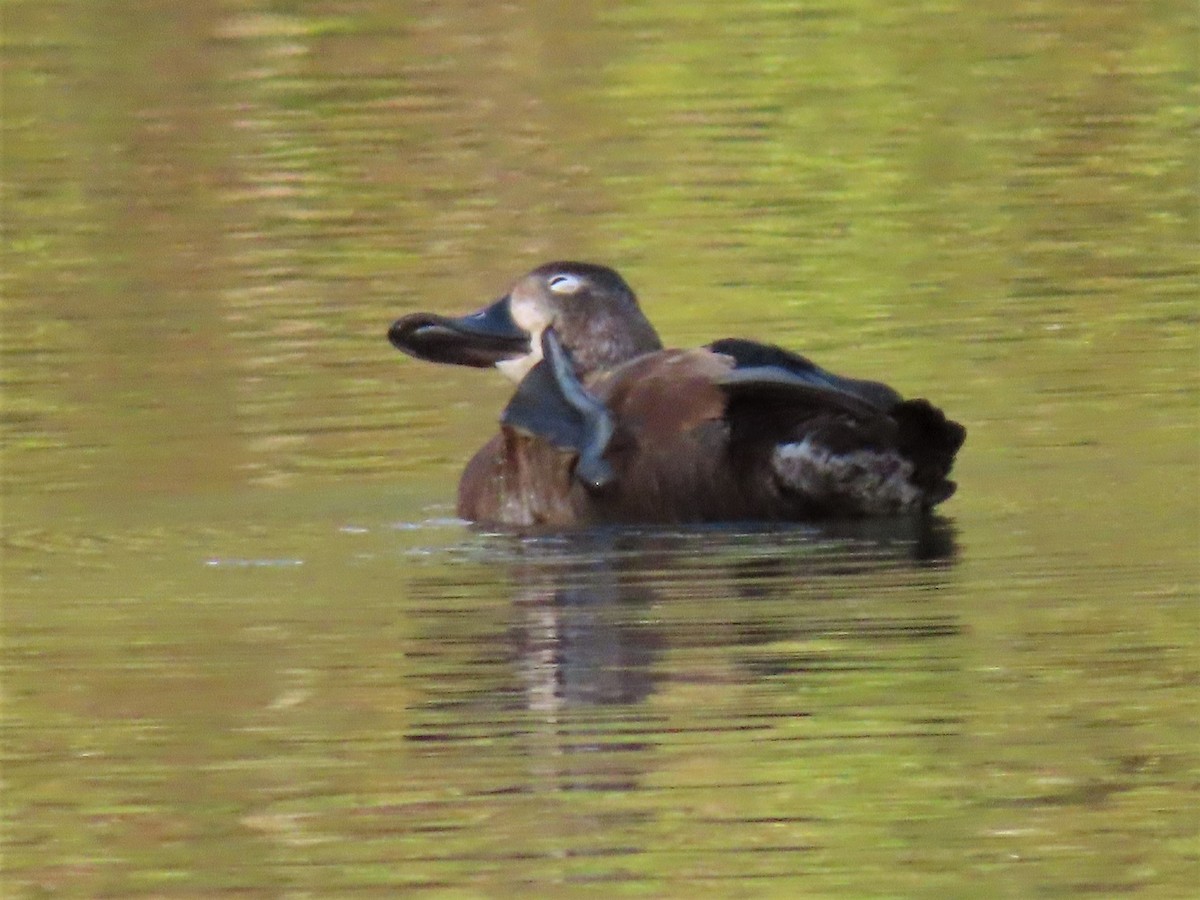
[929, 440]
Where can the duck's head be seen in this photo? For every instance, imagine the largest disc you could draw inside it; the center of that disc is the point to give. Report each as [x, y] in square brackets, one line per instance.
[592, 310]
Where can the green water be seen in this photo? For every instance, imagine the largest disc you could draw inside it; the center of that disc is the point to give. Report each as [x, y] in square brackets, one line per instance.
[248, 651]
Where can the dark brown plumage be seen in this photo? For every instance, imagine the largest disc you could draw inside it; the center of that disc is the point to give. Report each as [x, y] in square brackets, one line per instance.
[608, 427]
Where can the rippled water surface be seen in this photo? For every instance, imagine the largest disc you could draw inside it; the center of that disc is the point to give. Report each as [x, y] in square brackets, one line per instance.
[249, 651]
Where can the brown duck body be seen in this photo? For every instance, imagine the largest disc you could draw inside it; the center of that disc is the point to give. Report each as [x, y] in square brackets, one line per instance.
[684, 450]
[666, 452]
[734, 431]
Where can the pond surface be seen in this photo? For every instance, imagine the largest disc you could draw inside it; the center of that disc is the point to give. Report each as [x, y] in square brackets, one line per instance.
[249, 651]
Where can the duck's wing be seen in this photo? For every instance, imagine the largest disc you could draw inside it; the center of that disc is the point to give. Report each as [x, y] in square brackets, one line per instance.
[768, 384]
[775, 396]
[853, 437]
[551, 403]
[797, 370]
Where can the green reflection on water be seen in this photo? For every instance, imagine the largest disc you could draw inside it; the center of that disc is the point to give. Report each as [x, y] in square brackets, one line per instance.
[226, 668]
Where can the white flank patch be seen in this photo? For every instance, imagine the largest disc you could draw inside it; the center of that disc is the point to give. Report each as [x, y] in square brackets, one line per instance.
[877, 483]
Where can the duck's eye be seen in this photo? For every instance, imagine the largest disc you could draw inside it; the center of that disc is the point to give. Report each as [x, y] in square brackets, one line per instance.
[565, 284]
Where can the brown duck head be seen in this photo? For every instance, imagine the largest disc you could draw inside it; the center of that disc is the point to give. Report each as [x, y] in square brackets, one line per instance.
[591, 309]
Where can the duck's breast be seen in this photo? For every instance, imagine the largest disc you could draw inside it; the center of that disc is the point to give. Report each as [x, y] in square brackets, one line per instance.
[518, 480]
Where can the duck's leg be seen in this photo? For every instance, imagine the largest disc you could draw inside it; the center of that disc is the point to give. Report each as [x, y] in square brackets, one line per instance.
[551, 403]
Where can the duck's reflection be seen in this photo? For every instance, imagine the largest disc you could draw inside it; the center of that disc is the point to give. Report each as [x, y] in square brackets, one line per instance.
[583, 646]
[587, 644]
[614, 643]
[588, 623]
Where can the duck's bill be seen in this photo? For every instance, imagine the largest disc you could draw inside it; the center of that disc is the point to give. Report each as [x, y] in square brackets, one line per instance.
[481, 339]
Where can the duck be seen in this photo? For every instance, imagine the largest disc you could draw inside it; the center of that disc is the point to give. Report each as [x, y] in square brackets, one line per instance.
[607, 426]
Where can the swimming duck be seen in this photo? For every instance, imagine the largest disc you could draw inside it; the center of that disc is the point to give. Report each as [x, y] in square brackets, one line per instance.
[607, 426]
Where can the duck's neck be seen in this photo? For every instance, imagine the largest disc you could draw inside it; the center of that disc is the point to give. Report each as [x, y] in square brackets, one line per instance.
[599, 348]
